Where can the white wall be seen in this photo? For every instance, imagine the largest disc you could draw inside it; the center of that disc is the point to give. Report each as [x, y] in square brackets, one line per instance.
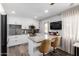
[52, 19]
[25, 22]
[68, 18]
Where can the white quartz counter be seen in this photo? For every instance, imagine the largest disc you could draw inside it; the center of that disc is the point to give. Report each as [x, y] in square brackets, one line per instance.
[37, 38]
[76, 44]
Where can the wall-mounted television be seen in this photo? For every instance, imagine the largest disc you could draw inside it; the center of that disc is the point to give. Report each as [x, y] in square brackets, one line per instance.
[56, 25]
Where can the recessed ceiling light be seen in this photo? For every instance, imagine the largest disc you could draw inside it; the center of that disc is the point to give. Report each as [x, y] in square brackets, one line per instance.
[35, 16]
[46, 11]
[13, 12]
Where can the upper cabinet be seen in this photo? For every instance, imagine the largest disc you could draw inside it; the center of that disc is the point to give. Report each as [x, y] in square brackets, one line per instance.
[15, 29]
[12, 26]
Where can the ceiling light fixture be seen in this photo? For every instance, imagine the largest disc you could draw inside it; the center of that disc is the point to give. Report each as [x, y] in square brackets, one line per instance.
[13, 12]
[46, 11]
[35, 17]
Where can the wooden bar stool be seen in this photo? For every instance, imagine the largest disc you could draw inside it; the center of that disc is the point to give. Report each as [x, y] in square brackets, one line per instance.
[56, 43]
[44, 47]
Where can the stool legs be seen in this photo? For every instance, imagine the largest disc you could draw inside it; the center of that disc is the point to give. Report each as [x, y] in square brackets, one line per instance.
[43, 54]
[54, 50]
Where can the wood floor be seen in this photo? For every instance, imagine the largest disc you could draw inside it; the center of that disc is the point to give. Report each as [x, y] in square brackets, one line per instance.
[22, 50]
[58, 53]
[19, 50]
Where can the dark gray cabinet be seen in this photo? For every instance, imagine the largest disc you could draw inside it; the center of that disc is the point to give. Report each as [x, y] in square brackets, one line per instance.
[76, 51]
[12, 26]
[15, 29]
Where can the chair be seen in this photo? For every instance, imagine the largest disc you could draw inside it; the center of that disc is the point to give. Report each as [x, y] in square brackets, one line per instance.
[44, 47]
[56, 43]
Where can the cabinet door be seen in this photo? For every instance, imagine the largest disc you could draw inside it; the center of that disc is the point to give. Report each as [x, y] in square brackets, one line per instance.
[15, 29]
[12, 26]
[11, 31]
[11, 43]
[76, 51]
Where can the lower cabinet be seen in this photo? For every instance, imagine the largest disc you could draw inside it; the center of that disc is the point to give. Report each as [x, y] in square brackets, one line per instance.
[13, 41]
[76, 51]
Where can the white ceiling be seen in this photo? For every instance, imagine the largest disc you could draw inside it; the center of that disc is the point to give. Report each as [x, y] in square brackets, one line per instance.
[30, 10]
